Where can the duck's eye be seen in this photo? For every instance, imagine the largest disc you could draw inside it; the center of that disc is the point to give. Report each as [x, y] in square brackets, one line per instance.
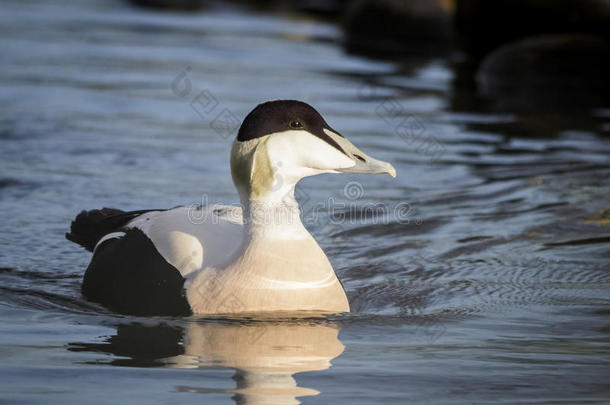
[296, 124]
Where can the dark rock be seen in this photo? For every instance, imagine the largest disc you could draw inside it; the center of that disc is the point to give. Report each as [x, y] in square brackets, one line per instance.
[483, 25]
[398, 27]
[551, 70]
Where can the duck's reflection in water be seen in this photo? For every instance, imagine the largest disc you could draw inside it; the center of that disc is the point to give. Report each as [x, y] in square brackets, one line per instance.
[264, 354]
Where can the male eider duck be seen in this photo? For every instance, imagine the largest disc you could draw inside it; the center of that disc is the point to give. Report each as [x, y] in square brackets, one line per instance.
[225, 259]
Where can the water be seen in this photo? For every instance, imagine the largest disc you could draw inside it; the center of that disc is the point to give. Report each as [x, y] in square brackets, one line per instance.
[481, 277]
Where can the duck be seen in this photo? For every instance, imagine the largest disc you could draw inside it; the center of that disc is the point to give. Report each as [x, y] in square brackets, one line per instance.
[227, 259]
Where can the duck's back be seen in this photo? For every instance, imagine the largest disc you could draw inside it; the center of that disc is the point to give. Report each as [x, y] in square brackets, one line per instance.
[140, 258]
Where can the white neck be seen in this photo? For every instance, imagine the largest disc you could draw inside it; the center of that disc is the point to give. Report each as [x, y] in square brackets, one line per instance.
[276, 215]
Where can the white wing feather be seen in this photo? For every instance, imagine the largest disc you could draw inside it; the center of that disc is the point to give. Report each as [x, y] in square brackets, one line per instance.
[194, 237]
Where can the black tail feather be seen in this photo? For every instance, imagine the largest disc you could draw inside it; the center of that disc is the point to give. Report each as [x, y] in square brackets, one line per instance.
[90, 226]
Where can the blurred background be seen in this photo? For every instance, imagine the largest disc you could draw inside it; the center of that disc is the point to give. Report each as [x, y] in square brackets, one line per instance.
[484, 277]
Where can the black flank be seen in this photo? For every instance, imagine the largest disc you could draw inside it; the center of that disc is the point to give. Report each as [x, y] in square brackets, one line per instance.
[129, 276]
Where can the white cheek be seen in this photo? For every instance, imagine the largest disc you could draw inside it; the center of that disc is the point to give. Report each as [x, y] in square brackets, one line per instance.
[300, 149]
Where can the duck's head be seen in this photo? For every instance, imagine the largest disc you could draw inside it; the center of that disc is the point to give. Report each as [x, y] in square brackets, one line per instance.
[282, 141]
